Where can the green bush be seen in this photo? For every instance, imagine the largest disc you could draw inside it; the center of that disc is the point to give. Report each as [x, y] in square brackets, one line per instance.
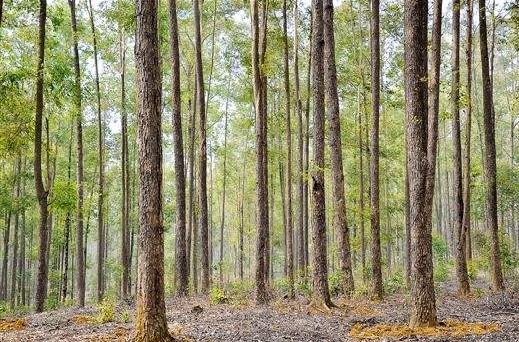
[335, 283]
[125, 316]
[239, 291]
[106, 311]
[395, 282]
[441, 271]
[217, 295]
[440, 248]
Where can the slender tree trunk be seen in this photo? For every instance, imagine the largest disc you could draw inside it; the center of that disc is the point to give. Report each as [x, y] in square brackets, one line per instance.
[339, 202]
[80, 260]
[307, 151]
[288, 136]
[41, 193]
[67, 225]
[151, 312]
[423, 302]
[284, 212]
[461, 262]
[241, 221]
[191, 192]
[202, 150]
[14, 259]
[490, 154]
[224, 185]
[374, 150]
[318, 195]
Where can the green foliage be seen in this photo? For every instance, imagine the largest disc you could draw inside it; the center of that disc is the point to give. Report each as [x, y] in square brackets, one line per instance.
[335, 283]
[64, 196]
[125, 316]
[395, 282]
[217, 295]
[239, 291]
[440, 248]
[442, 271]
[106, 311]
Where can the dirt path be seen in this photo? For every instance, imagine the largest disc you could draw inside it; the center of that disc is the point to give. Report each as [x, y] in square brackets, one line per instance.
[281, 321]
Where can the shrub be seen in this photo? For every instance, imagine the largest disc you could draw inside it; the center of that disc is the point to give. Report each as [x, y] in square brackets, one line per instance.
[217, 295]
[395, 282]
[106, 311]
[125, 316]
[335, 283]
[441, 271]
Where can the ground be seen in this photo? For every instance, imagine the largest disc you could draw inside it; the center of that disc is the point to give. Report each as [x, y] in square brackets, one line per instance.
[195, 319]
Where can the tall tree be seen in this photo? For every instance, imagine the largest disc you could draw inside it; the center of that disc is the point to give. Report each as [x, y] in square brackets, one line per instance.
[41, 193]
[224, 185]
[461, 262]
[423, 302]
[288, 187]
[80, 259]
[258, 30]
[490, 154]
[202, 149]
[100, 190]
[151, 311]
[318, 197]
[181, 272]
[374, 150]
[332, 97]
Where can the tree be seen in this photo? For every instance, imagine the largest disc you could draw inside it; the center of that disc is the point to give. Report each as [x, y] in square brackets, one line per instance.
[288, 187]
[80, 259]
[202, 149]
[461, 262]
[41, 193]
[318, 199]
[490, 154]
[259, 42]
[181, 271]
[224, 186]
[151, 311]
[332, 97]
[423, 302]
[374, 150]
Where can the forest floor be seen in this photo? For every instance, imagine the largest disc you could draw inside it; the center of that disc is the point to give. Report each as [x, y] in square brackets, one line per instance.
[195, 319]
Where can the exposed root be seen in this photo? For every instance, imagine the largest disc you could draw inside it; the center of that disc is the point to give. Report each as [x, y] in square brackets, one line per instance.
[12, 324]
[444, 328]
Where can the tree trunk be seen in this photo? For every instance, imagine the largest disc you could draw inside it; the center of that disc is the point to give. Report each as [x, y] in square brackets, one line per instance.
[318, 196]
[374, 150]
[339, 202]
[222, 223]
[490, 154]
[202, 150]
[67, 226]
[423, 302]
[41, 193]
[191, 180]
[288, 135]
[181, 273]
[151, 312]
[461, 262]
[14, 259]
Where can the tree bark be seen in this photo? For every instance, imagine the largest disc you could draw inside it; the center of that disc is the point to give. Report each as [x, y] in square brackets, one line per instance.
[41, 193]
[490, 154]
[14, 259]
[318, 196]
[423, 302]
[151, 312]
[374, 150]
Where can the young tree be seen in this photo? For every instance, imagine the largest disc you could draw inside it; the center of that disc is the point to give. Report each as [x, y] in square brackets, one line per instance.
[423, 302]
[332, 97]
[490, 153]
[224, 185]
[374, 150]
[151, 311]
[80, 259]
[202, 149]
[318, 199]
[41, 193]
[461, 262]
[288, 188]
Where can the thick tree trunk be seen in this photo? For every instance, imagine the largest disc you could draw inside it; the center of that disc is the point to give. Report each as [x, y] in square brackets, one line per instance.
[41, 193]
[374, 150]
[423, 302]
[202, 150]
[461, 262]
[490, 154]
[288, 134]
[332, 97]
[151, 312]
[318, 196]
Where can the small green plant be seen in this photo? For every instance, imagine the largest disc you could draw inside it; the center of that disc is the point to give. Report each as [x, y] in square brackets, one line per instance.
[395, 282]
[125, 316]
[304, 287]
[217, 295]
[472, 269]
[106, 311]
[441, 271]
[335, 283]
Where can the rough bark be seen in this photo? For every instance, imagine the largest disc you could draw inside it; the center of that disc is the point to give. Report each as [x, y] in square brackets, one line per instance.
[374, 150]
[320, 277]
[41, 193]
[490, 154]
[181, 274]
[423, 302]
[151, 311]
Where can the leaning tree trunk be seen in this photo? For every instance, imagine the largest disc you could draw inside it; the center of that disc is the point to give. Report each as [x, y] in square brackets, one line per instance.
[423, 302]
[41, 193]
[374, 150]
[461, 262]
[490, 154]
[318, 196]
[332, 97]
[151, 311]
